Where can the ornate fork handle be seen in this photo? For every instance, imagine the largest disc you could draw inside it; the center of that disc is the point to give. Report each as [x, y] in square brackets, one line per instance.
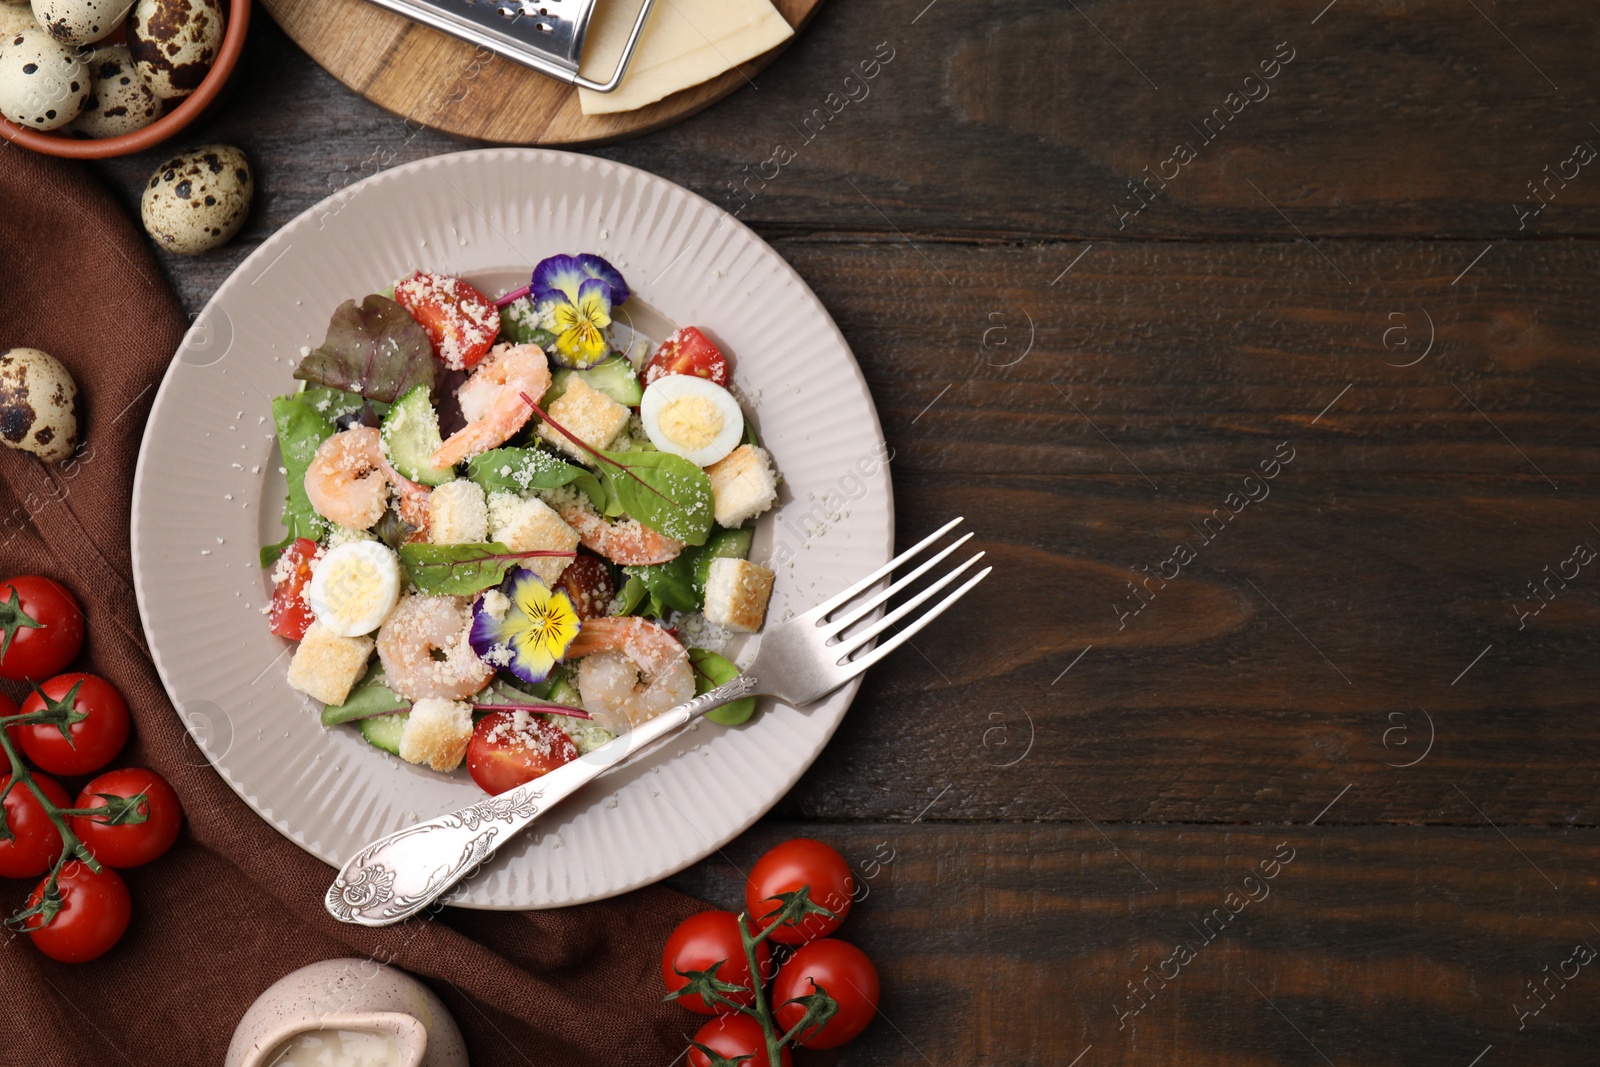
[398, 876]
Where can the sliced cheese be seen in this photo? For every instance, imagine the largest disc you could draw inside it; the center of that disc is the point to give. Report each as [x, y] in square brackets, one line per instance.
[685, 42]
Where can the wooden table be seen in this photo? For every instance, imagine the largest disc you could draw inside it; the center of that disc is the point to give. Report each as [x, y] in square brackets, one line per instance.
[1069, 798]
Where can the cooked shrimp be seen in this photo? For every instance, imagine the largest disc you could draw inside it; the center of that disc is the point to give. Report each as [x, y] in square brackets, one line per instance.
[630, 542]
[492, 400]
[632, 671]
[345, 481]
[412, 496]
[421, 627]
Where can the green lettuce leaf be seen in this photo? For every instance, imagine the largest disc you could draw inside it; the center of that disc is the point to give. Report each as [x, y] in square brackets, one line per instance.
[665, 492]
[301, 429]
[461, 570]
[371, 696]
[375, 348]
[531, 468]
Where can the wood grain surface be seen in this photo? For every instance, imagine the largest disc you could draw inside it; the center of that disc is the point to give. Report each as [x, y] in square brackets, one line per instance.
[435, 80]
[1050, 793]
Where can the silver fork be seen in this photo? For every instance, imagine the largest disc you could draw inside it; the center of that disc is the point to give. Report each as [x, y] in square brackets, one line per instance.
[798, 661]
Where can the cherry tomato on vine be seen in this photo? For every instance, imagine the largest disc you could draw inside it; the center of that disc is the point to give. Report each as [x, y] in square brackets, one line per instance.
[702, 940]
[95, 909]
[42, 627]
[291, 610]
[688, 352]
[502, 755]
[461, 322]
[588, 584]
[94, 740]
[733, 1036]
[36, 843]
[800, 862]
[847, 975]
[129, 844]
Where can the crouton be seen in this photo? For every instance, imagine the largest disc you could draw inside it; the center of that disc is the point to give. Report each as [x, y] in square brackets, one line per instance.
[457, 513]
[587, 413]
[742, 485]
[531, 525]
[736, 594]
[326, 666]
[436, 733]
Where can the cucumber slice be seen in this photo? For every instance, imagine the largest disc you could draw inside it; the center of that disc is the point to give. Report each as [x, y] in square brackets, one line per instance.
[519, 324]
[411, 437]
[613, 376]
[562, 691]
[722, 544]
[384, 731]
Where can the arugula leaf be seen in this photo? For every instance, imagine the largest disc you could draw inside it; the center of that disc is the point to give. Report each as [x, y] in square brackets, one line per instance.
[371, 696]
[531, 468]
[375, 348]
[301, 429]
[461, 570]
[665, 492]
[712, 670]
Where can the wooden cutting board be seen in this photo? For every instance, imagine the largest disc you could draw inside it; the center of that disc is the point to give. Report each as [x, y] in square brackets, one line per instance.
[435, 80]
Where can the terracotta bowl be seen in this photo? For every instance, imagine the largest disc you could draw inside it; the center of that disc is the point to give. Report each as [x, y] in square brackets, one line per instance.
[58, 143]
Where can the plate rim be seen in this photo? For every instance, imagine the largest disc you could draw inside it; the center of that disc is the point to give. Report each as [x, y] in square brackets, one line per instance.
[536, 155]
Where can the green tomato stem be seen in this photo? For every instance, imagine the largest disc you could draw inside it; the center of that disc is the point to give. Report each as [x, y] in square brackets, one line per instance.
[762, 1010]
[71, 847]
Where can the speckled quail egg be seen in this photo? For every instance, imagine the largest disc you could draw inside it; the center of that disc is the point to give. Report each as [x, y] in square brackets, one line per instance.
[38, 404]
[197, 201]
[174, 43]
[75, 22]
[42, 83]
[119, 100]
[13, 20]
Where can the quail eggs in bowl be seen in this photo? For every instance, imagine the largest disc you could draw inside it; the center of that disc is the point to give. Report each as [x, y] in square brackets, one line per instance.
[92, 79]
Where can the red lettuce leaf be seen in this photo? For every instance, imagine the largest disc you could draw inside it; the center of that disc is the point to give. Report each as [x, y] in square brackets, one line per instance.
[375, 348]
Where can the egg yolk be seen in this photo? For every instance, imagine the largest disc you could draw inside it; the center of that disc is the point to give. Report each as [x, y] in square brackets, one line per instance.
[690, 421]
[353, 591]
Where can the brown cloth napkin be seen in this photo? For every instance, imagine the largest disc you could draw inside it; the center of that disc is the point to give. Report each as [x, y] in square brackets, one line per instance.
[234, 906]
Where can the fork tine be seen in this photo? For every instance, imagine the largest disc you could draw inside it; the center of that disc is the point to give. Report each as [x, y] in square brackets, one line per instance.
[856, 666]
[849, 644]
[867, 607]
[827, 606]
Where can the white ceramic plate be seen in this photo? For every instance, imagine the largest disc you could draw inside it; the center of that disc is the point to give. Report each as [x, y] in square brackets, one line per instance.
[207, 495]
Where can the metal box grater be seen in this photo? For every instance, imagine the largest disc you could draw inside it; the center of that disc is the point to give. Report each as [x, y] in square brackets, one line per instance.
[546, 35]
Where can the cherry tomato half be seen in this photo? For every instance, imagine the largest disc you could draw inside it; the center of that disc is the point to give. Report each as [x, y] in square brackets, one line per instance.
[503, 754]
[588, 584]
[688, 351]
[291, 609]
[94, 741]
[43, 628]
[733, 1036]
[801, 862]
[461, 322]
[95, 909]
[36, 843]
[129, 844]
[848, 977]
[702, 940]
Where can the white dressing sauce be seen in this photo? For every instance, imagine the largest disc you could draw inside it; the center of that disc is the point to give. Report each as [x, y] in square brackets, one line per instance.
[337, 1048]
